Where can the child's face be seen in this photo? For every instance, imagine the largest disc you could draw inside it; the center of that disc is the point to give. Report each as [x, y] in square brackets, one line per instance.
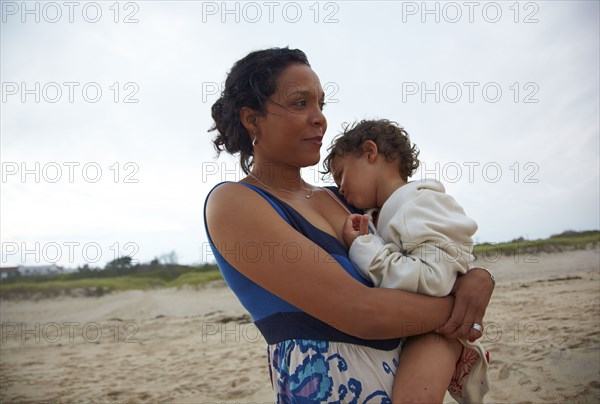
[357, 180]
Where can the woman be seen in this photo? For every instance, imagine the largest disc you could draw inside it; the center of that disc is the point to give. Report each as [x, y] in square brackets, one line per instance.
[278, 242]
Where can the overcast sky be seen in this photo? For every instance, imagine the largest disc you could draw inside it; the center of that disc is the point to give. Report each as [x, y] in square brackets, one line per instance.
[105, 110]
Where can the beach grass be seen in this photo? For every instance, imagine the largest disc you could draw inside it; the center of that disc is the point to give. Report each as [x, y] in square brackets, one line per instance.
[97, 282]
[195, 278]
[26, 287]
[566, 241]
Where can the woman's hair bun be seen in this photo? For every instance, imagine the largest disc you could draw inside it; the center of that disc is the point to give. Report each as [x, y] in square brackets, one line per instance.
[217, 111]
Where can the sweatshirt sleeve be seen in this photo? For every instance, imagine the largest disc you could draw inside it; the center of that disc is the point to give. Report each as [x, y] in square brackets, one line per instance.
[363, 251]
[429, 244]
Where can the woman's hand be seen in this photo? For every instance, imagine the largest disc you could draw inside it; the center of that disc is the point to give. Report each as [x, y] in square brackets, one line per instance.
[472, 295]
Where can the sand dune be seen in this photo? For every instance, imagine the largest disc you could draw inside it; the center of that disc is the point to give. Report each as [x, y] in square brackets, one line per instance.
[199, 346]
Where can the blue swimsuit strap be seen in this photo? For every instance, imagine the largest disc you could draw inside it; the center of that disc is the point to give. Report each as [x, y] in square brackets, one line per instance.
[269, 199]
[325, 240]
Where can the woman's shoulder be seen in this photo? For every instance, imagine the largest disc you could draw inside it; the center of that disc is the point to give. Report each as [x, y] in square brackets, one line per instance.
[228, 199]
[230, 192]
[225, 188]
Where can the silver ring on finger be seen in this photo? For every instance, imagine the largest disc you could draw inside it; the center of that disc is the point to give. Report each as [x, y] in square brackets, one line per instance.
[478, 327]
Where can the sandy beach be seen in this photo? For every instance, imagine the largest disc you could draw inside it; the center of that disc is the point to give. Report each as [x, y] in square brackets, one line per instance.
[198, 345]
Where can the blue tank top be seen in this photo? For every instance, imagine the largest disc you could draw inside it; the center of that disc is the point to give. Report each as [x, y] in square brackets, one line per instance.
[276, 319]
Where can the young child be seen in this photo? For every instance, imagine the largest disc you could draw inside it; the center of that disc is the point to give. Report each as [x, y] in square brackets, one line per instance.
[424, 243]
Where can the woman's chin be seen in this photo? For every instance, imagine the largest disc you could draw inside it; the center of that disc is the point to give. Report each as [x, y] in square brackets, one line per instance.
[309, 161]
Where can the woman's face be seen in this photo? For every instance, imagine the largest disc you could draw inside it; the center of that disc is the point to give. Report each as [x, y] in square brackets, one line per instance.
[292, 130]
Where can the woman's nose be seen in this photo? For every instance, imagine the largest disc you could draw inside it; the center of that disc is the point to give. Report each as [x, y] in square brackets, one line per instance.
[318, 119]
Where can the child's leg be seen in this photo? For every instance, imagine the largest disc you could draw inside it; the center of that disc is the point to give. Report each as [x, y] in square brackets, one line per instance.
[427, 363]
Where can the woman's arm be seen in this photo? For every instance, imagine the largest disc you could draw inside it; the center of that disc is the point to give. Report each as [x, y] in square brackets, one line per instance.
[261, 245]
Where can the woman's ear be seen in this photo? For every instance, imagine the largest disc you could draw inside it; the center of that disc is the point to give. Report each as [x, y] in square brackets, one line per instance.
[248, 118]
[369, 148]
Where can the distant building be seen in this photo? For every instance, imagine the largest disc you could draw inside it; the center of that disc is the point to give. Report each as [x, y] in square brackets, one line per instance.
[7, 272]
[40, 270]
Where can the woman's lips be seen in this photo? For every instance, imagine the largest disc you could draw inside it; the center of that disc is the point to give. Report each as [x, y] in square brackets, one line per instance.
[318, 140]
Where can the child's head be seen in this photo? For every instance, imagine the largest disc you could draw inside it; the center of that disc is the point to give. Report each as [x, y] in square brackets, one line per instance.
[360, 145]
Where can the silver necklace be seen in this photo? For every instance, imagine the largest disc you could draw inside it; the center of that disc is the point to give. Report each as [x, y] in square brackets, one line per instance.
[307, 196]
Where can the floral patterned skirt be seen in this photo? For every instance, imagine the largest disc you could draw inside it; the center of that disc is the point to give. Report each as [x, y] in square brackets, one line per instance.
[309, 371]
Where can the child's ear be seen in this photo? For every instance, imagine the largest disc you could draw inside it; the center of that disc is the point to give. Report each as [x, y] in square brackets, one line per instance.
[370, 150]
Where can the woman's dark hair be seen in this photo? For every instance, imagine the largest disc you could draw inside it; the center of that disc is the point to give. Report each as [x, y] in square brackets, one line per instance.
[391, 139]
[251, 81]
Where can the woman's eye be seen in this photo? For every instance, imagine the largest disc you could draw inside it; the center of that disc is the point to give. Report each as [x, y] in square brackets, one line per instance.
[322, 105]
[301, 103]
